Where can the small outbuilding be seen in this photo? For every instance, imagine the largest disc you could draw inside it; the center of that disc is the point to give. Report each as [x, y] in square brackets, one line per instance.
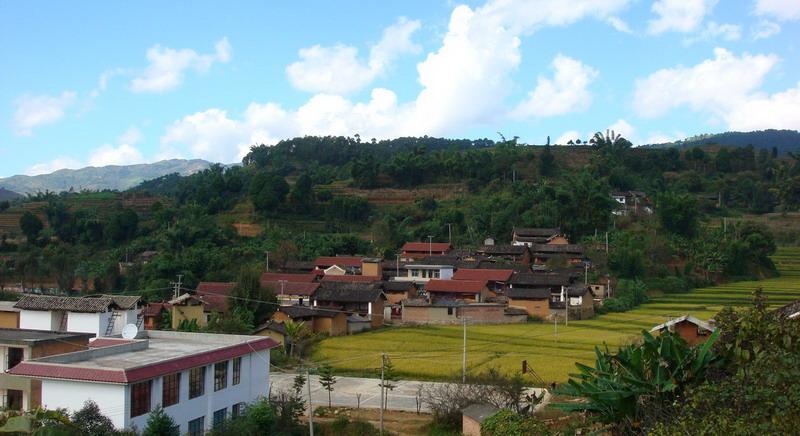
[691, 329]
[473, 416]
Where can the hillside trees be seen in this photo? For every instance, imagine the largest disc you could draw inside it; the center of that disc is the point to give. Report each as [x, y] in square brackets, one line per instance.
[31, 226]
[678, 213]
[268, 191]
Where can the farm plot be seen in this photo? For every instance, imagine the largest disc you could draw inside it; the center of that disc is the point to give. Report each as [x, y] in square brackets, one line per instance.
[435, 352]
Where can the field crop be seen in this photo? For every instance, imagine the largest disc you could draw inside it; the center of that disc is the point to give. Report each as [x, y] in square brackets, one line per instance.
[435, 352]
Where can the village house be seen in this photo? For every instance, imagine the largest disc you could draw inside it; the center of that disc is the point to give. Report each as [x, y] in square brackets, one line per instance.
[9, 315]
[691, 329]
[269, 277]
[572, 254]
[187, 307]
[215, 296]
[506, 253]
[632, 203]
[338, 265]
[199, 379]
[366, 299]
[578, 299]
[473, 416]
[496, 279]
[328, 322]
[18, 345]
[422, 271]
[298, 267]
[418, 312]
[291, 293]
[530, 236]
[101, 315]
[274, 330]
[474, 291]
[412, 251]
[154, 315]
[535, 301]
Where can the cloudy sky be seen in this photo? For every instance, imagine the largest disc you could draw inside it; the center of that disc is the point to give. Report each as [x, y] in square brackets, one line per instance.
[99, 83]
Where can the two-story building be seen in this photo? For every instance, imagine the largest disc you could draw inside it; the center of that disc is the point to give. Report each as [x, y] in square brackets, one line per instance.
[365, 299]
[199, 379]
[19, 345]
[421, 272]
[102, 315]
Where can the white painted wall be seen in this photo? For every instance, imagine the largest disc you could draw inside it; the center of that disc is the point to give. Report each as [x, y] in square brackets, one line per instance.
[39, 320]
[71, 395]
[126, 317]
[88, 322]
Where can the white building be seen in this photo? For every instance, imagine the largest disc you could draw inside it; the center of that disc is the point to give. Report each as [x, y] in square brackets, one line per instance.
[421, 273]
[198, 378]
[102, 315]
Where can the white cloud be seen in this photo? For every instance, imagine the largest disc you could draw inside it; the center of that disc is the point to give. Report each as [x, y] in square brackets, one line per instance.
[713, 31]
[679, 15]
[765, 29]
[34, 111]
[726, 87]
[623, 128]
[619, 25]
[566, 92]
[465, 82]
[131, 136]
[567, 136]
[663, 138]
[784, 10]
[107, 154]
[714, 85]
[167, 68]
[53, 165]
[338, 70]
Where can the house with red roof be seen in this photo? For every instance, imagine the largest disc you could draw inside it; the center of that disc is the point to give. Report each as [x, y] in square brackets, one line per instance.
[496, 279]
[199, 379]
[291, 293]
[412, 251]
[215, 296]
[475, 291]
[339, 264]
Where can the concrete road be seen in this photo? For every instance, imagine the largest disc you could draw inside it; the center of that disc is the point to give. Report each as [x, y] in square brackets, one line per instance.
[347, 389]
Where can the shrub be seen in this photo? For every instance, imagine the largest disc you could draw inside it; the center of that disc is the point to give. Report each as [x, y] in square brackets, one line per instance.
[508, 423]
[629, 294]
[669, 284]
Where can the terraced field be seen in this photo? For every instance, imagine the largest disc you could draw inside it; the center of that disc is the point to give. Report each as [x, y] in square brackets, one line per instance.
[436, 352]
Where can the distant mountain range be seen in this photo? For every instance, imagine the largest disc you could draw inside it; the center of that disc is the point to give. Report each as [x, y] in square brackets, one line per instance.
[115, 177]
[783, 140]
[5, 194]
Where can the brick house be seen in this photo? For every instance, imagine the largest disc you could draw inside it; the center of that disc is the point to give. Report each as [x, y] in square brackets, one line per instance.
[329, 322]
[535, 301]
[473, 416]
[474, 291]
[542, 253]
[691, 329]
[496, 279]
[366, 299]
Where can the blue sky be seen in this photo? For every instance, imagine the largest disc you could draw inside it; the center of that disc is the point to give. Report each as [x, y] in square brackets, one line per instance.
[98, 83]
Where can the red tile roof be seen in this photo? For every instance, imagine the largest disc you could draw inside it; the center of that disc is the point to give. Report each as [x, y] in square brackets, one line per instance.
[457, 286]
[215, 295]
[292, 288]
[351, 278]
[326, 261]
[425, 247]
[492, 275]
[132, 375]
[153, 309]
[296, 278]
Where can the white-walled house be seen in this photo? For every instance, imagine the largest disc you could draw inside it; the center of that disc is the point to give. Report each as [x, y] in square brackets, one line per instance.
[198, 378]
[102, 315]
[422, 272]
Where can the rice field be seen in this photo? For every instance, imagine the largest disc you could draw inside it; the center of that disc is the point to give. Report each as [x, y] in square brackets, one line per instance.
[435, 352]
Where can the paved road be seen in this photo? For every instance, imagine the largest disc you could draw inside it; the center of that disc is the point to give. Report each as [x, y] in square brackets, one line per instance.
[346, 390]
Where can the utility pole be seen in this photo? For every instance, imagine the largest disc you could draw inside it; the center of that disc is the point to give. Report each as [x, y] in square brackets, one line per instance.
[430, 245]
[555, 326]
[176, 287]
[310, 407]
[586, 273]
[464, 357]
[606, 243]
[449, 233]
[383, 362]
[397, 266]
[267, 261]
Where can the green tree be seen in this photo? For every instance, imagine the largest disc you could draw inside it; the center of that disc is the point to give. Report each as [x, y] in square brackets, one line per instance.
[122, 225]
[678, 213]
[294, 330]
[507, 423]
[31, 225]
[303, 193]
[91, 422]
[248, 296]
[159, 423]
[268, 191]
[547, 163]
[390, 380]
[327, 380]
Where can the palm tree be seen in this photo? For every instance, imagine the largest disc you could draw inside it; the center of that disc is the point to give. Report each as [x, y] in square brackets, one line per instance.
[611, 143]
[294, 329]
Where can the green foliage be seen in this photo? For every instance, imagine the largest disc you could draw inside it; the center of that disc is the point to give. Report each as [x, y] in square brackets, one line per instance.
[31, 225]
[122, 225]
[508, 423]
[268, 191]
[188, 326]
[252, 302]
[343, 425]
[159, 423]
[624, 387]
[91, 422]
[678, 213]
[327, 380]
[627, 295]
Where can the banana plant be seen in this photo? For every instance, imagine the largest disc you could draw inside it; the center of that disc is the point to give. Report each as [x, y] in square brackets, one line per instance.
[659, 369]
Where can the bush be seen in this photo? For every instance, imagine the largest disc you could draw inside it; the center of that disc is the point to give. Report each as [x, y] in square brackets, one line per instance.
[629, 294]
[344, 426]
[508, 423]
[669, 284]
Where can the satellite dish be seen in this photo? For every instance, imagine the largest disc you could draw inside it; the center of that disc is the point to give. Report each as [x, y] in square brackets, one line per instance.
[130, 331]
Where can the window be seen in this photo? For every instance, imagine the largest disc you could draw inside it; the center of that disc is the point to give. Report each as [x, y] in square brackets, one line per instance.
[196, 426]
[171, 387]
[436, 274]
[13, 399]
[220, 375]
[414, 273]
[449, 310]
[197, 381]
[140, 398]
[237, 409]
[219, 416]
[237, 370]
[14, 357]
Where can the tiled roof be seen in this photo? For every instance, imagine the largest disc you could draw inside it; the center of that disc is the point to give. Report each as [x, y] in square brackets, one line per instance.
[790, 310]
[456, 286]
[70, 304]
[215, 295]
[398, 286]
[493, 275]
[502, 250]
[536, 232]
[557, 248]
[289, 277]
[343, 292]
[153, 309]
[528, 294]
[540, 279]
[326, 261]
[292, 288]
[306, 312]
[298, 265]
[351, 278]
[271, 325]
[425, 247]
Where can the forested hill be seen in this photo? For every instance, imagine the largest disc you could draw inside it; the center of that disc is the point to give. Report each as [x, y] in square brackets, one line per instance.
[784, 141]
[113, 177]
